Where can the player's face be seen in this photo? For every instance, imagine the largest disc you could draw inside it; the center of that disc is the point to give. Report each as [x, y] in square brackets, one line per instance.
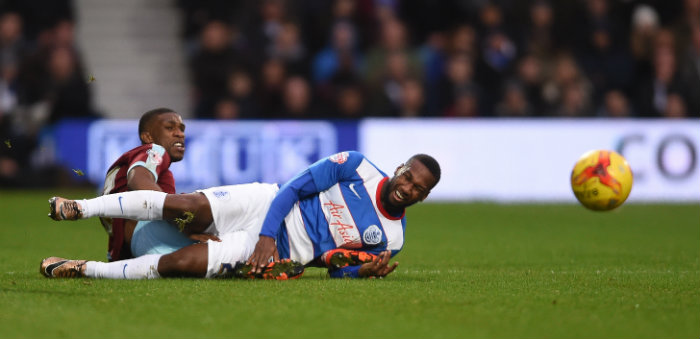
[411, 183]
[168, 130]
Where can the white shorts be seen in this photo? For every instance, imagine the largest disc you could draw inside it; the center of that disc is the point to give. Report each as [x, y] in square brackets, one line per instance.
[239, 207]
[233, 247]
[238, 212]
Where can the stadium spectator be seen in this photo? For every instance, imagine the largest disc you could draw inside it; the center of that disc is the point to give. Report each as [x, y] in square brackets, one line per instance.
[411, 102]
[466, 103]
[338, 65]
[13, 47]
[270, 95]
[12, 51]
[68, 94]
[340, 56]
[675, 106]
[606, 65]
[263, 27]
[241, 88]
[530, 75]
[645, 26]
[227, 109]
[288, 48]
[210, 66]
[513, 102]
[52, 83]
[392, 57]
[495, 63]
[538, 35]
[41, 16]
[615, 105]
[434, 56]
[566, 85]
[574, 102]
[685, 23]
[349, 102]
[594, 15]
[458, 81]
[197, 14]
[690, 72]
[298, 101]
[491, 19]
[653, 92]
[463, 39]
[387, 93]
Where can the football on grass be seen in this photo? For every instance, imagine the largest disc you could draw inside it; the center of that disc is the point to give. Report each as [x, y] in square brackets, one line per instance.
[601, 180]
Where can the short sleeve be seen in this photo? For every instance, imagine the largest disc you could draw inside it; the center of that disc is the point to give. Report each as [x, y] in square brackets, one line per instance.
[335, 168]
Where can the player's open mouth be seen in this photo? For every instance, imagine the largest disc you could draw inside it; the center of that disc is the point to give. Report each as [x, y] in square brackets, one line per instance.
[180, 146]
[398, 195]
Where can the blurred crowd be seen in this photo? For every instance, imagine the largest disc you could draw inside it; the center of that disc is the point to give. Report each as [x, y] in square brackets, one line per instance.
[349, 59]
[356, 58]
[42, 80]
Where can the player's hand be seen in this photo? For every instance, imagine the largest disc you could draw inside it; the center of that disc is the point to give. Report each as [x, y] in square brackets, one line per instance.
[203, 237]
[379, 267]
[264, 250]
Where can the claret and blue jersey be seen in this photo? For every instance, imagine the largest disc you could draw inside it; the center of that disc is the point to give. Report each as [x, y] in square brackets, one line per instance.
[334, 204]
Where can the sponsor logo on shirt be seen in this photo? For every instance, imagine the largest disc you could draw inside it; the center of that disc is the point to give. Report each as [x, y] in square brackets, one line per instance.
[342, 228]
[339, 158]
[372, 235]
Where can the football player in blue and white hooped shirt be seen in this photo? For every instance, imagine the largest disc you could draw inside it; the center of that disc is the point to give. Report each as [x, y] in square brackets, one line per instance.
[343, 201]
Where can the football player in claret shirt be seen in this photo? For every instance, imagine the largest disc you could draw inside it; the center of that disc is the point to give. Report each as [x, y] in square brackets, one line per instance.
[340, 203]
[146, 167]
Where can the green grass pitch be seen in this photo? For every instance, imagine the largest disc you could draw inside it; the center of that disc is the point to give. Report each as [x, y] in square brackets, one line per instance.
[466, 271]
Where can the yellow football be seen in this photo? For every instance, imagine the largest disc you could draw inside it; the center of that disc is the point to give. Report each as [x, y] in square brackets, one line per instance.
[601, 180]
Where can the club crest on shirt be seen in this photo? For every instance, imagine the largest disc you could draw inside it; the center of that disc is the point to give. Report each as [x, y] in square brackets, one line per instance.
[154, 157]
[339, 158]
[372, 235]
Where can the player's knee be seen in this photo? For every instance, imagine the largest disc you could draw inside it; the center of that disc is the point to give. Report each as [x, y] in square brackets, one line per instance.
[180, 204]
[178, 264]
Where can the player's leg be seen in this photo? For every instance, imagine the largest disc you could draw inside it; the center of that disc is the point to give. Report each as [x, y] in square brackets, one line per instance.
[135, 205]
[191, 209]
[190, 261]
[145, 267]
[157, 237]
[211, 259]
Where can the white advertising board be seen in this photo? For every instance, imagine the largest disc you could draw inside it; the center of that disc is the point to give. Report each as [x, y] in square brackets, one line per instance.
[531, 160]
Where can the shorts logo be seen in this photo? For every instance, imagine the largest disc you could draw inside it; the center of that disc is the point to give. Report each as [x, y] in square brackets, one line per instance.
[339, 158]
[372, 235]
[222, 195]
[154, 157]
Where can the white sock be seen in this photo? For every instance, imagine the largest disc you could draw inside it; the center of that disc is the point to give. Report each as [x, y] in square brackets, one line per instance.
[144, 267]
[135, 205]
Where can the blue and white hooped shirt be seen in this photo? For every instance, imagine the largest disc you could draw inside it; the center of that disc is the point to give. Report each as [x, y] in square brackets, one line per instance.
[335, 205]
